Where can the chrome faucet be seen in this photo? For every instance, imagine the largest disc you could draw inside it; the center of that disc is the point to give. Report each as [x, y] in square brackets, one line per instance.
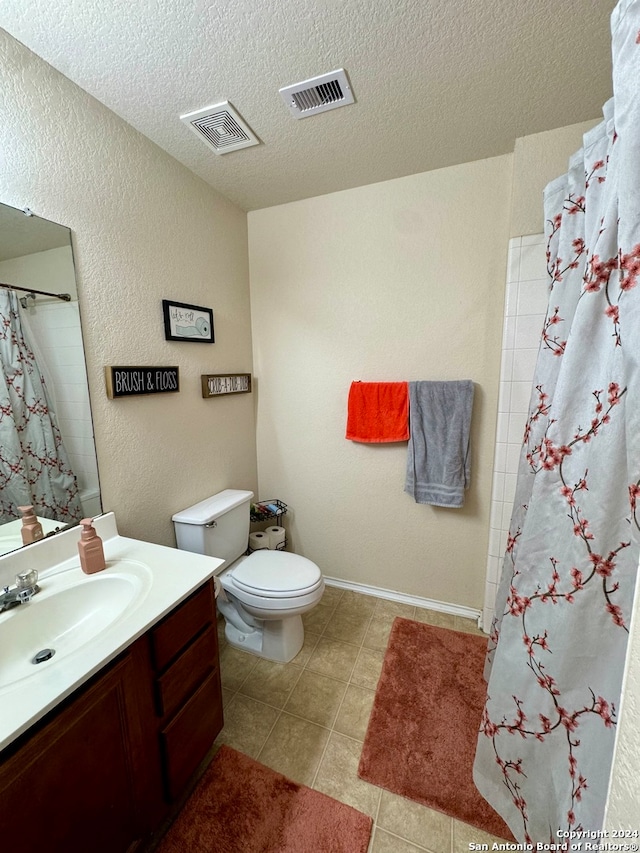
[26, 587]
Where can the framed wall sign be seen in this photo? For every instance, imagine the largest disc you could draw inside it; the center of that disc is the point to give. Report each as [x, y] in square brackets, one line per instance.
[183, 322]
[131, 381]
[218, 384]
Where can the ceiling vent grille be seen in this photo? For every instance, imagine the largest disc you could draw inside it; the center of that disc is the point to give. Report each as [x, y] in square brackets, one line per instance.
[221, 128]
[319, 94]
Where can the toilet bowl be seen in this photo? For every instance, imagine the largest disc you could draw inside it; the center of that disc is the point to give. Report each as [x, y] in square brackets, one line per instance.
[264, 594]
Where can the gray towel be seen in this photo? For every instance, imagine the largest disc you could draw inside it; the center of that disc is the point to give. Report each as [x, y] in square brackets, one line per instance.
[438, 457]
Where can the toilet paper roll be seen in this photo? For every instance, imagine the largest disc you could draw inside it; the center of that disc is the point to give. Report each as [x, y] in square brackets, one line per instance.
[258, 541]
[277, 536]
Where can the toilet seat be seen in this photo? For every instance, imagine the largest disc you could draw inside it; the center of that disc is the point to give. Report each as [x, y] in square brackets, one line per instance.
[276, 575]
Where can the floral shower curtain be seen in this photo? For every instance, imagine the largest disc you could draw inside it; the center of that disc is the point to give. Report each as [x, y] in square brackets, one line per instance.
[557, 647]
[34, 468]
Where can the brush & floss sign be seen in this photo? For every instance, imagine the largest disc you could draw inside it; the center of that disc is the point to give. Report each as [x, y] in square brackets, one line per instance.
[132, 381]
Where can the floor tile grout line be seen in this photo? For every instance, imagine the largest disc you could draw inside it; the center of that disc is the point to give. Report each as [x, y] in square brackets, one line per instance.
[402, 837]
[303, 669]
[269, 704]
[329, 729]
[332, 730]
[266, 740]
[324, 750]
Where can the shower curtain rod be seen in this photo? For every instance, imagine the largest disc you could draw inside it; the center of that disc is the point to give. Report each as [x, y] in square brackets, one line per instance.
[64, 296]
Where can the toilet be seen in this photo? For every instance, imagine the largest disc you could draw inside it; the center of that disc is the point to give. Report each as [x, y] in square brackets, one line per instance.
[264, 593]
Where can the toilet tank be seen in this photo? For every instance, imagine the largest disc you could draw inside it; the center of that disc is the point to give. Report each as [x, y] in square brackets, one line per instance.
[217, 526]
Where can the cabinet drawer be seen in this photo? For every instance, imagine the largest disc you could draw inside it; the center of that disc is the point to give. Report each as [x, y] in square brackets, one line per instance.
[188, 737]
[171, 635]
[187, 672]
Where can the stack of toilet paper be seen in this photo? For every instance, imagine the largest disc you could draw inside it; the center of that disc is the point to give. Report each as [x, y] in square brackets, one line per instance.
[272, 538]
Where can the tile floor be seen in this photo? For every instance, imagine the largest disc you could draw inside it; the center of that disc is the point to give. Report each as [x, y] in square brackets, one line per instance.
[307, 719]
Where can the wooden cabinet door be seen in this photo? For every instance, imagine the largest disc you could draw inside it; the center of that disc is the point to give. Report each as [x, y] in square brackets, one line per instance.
[187, 738]
[71, 788]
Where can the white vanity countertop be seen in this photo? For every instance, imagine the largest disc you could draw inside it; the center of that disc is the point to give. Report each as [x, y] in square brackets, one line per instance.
[11, 532]
[169, 576]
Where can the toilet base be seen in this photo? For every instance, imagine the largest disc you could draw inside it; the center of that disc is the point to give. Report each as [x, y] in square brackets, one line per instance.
[278, 640]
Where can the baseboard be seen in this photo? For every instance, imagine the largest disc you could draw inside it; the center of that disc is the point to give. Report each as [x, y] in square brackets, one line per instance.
[403, 598]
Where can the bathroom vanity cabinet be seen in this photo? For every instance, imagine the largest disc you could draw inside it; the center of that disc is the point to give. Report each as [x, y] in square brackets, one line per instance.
[101, 770]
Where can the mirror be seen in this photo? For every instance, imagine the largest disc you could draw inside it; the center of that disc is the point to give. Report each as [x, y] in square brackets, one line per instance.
[55, 461]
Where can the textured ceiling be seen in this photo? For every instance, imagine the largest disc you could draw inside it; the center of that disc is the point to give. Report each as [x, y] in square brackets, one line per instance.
[437, 82]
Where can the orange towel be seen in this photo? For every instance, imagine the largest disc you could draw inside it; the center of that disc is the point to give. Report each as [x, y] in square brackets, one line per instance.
[378, 411]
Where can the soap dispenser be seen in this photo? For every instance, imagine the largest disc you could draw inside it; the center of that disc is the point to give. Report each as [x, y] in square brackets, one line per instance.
[31, 530]
[90, 548]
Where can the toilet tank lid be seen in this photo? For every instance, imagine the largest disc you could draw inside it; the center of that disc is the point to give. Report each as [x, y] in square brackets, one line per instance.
[213, 507]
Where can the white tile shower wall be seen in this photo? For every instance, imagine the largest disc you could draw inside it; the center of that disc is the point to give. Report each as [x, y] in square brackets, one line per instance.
[525, 309]
[57, 329]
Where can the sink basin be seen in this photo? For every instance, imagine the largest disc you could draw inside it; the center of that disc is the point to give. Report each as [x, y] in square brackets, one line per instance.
[70, 610]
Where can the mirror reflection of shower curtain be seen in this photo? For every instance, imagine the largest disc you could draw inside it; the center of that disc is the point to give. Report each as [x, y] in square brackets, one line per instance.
[34, 466]
[558, 644]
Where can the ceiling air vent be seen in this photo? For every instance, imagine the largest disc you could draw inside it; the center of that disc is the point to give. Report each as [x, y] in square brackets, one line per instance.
[221, 128]
[327, 92]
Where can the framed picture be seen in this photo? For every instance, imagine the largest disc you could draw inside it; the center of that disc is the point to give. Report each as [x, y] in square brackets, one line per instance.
[184, 322]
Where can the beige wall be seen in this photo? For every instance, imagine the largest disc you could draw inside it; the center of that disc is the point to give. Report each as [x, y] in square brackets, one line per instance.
[144, 228]
[538, 159]
[395, 281]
